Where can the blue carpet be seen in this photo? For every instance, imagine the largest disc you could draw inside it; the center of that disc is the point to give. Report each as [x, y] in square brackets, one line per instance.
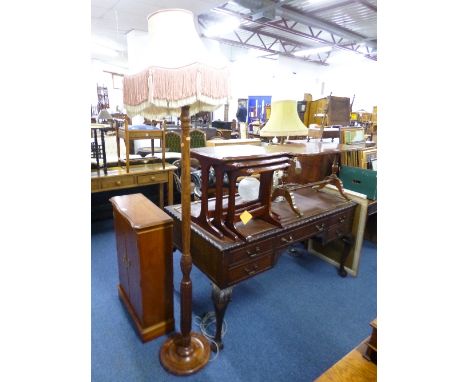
[287, 324]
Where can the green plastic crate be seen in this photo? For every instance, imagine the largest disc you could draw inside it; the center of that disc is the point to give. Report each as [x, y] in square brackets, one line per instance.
[360, 180]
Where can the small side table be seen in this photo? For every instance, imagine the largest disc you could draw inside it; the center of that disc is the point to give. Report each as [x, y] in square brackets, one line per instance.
[236, 161]
[95, 127]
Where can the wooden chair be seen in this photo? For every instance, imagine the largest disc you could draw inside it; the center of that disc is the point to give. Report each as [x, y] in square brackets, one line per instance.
[195, 179]
[197, 138]
[173, 140]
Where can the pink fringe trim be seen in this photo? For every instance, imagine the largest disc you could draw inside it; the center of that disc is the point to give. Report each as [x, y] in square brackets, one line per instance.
[159, 86]
[135, 88]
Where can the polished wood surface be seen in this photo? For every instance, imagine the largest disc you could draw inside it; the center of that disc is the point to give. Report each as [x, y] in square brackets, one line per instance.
[351, 368]
[233, 142]
[227, 261]
[359, 365]
[371, 343]
[196, 355]
[144, 255]
[313, 160]
[222, 154]
[315, 147]
[235, 162]
[139, 175]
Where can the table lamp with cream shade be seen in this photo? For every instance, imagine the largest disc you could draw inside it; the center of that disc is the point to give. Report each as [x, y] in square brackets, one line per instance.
[182, 79]
[284, 121]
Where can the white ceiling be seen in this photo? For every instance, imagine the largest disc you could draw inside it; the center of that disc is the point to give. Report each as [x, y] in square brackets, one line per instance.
[272, 26]
[111, 20]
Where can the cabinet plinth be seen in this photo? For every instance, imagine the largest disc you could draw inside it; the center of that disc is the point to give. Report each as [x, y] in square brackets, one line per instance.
[144, 253]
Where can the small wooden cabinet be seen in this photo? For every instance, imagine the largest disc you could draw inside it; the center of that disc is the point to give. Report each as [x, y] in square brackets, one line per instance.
[144, 252]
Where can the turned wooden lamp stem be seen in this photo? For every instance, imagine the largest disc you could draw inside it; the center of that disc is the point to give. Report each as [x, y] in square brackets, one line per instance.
[186, 259]
[185, 352]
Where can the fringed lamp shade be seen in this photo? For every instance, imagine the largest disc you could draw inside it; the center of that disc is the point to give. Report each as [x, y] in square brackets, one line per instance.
[181, 79]
[284, 121]
[181, 72]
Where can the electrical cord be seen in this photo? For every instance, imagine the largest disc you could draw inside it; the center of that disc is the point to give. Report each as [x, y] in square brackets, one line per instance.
[204, 323]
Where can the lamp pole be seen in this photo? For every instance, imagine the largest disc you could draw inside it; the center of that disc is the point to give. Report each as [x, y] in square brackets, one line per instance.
[185, 352]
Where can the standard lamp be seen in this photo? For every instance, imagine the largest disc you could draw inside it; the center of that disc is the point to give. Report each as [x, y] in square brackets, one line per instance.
[180, 80]
[104, 115]
[284, 121]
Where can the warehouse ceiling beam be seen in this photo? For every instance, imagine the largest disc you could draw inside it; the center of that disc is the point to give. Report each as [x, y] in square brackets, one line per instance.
[343, 45]
[268, 50]
[368, 5]
[289, 13]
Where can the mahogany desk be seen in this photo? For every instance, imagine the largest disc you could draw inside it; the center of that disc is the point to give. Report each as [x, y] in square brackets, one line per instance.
[227, 262]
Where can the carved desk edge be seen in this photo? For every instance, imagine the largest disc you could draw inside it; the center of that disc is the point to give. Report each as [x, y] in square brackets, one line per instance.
[175, 212]
[222, 288]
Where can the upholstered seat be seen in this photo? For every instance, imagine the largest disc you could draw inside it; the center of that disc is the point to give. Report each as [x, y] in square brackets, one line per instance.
[173, 142]
[197, 138]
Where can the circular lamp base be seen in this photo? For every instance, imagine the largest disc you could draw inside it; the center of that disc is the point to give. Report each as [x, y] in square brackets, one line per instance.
[194, 359]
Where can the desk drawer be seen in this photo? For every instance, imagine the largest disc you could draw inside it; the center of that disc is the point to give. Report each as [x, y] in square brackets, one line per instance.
[249, 269]
[340, 227]
[152, 178]
[95, 185]
[250, 252]
[301, 233]
[334, 232]
[142, 134]
[342, 218]
[117, 182]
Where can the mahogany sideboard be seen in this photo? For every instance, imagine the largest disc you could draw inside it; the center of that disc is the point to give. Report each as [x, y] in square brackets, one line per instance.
[227, 262]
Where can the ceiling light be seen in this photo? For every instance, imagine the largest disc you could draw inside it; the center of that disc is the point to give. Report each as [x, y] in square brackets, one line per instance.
[227, 25]
[309, 52]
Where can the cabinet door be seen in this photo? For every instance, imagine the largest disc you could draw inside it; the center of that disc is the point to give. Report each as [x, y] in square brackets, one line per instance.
[134, 273]
[122, 258]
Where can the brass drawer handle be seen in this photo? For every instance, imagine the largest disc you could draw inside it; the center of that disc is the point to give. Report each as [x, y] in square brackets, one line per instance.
[153, 177]
[251, 271]
[287, 240]
[118, 182]
[342, 219]
[338, 233]
[320, 227]
[255, 253]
